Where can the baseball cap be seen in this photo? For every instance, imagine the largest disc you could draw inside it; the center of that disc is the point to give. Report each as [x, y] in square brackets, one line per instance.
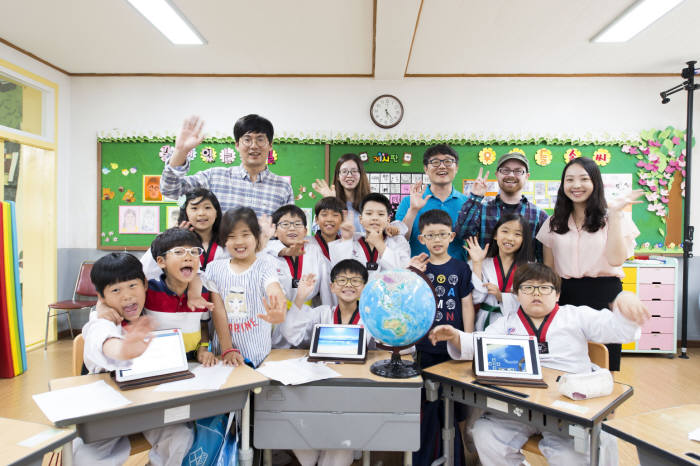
[513, 156]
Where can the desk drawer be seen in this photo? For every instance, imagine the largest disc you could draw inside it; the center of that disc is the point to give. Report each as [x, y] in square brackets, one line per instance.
[665, 275]
[658, 325]
[656, 341]
[346, 399]
[660, 308]
[647, 292]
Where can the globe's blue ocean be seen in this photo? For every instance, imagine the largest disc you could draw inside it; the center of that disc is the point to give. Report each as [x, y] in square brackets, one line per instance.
[397, 307]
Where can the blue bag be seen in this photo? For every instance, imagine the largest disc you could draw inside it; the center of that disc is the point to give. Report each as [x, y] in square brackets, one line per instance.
[209, 437]
[228, 455]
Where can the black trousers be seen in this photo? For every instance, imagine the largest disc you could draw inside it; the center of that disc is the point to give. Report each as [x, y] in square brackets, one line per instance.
[598, 293]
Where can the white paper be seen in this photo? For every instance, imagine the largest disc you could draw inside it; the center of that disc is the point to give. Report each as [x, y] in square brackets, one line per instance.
[297, 371]
[694, 435]
[79, 401]
[205, 378]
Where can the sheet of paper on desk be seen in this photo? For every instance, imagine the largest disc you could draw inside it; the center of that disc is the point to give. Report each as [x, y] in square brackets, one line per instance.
[296, 371]
[694, 435]
[79, 401]
[205, 378]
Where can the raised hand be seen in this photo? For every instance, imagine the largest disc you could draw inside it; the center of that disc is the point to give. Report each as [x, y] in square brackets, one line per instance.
[444, 333]
[622, 201]
[275, 308]
[185, 225]
[479, 186]
[347, 228]
[137, 338]
[392, 230]
[321, 187]
[475, 251]
[494, 290]
[631, 307]
[191, 134]
[419, 262]
[267, 229]
[296, 249]
[416, 196]
[305, 288]
[375, 238]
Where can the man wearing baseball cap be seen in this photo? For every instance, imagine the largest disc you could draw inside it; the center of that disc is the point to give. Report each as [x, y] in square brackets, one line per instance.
[479, 216]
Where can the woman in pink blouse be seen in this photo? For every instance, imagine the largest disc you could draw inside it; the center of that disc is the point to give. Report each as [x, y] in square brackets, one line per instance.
[586, 241]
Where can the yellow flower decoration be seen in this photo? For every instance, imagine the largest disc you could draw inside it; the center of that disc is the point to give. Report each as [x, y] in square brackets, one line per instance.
[602, 157]
[114, 165]
[519, 151]
[543, 157]
[125, 172]
[571, 154]
[272, 156]
[208, 155]
[487, 156]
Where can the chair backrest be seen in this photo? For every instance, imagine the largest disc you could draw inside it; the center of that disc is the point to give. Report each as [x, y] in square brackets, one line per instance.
[598, 353]
[83, 285]
[78, 347]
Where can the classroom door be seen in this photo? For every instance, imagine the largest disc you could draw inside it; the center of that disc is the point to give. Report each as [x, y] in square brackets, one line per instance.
[29, 179]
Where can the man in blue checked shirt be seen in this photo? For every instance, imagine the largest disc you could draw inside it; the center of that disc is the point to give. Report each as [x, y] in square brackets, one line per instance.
[251, 184]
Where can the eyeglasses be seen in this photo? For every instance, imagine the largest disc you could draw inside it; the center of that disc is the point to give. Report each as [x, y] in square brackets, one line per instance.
[351, 172]
[435, 163]
[508, 171]
[432, 236]
[354, 281]
[541, 289]
[288, 225]
[248, 141]
[180, 251]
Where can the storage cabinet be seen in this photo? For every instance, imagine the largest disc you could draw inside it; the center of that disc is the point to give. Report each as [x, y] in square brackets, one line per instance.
[655, 284]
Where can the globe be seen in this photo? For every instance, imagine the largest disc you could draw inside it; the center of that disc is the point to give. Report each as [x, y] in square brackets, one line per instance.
[397, 308]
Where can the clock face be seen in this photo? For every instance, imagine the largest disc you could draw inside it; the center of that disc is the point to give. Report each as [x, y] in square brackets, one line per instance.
[386, 111]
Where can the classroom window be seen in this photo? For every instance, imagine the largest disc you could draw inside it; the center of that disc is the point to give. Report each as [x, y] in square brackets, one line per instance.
[27, 107]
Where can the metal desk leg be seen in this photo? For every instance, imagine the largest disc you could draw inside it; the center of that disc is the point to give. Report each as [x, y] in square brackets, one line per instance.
[267, 457]
[67, 454]
[408, 458]
[448, 432]
[245, 454]
[594, 449]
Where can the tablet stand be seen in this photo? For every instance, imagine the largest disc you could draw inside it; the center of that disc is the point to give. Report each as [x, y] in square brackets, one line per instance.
[394, 368]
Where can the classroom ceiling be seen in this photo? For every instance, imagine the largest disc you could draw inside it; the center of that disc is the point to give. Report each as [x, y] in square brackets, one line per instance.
[384, 39]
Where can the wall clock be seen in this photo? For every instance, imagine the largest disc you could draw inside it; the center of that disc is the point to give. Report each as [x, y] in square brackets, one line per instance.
[386, 111]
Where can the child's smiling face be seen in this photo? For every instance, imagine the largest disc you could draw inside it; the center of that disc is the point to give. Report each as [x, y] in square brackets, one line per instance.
[352, 288]
[509, 237]
[374, 216]
[127, 298]
[329, 222]
[241, 243]
[290, 229]
[437, 238]
[180, 268]
[201, 214]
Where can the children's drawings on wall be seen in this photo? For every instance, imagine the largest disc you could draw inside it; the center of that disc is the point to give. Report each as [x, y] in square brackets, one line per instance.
[139, 219]
[395, 186]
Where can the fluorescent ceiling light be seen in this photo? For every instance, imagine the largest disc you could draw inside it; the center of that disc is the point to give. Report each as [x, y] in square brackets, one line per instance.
[168, 20]
[634, 20]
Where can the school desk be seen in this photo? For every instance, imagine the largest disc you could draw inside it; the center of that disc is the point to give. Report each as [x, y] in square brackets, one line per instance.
[546, 409]
[661, 437]
[150, 409]
[36, 440]
[358, 410]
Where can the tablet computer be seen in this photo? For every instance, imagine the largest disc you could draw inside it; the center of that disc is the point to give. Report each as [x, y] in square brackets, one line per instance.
[338, 342]
[507, 360]
[163, 360]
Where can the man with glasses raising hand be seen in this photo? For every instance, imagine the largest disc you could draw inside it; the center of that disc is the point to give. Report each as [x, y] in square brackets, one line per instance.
[251, 184]
[440, 164]
[479, 216]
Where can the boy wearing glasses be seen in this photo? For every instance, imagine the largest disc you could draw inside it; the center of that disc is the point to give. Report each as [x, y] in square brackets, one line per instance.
[479, 215]
[440, 164]
[563, 333]
[452, 280]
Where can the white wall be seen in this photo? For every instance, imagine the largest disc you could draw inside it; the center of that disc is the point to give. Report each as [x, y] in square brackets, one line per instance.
[500, 106]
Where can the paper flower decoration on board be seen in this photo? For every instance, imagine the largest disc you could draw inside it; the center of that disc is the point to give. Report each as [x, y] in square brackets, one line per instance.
[114, 166]
[129, 196]
[487, 156]
[125, 172]
[107, 194]
[166, 152]
[208, 155]
[272, 156]
[518, 150]
[364, 157]
[571, 154]
[227, 155]
[133, 170]
[192, 154]
[106, 171]
[543, 157]
[602, 157]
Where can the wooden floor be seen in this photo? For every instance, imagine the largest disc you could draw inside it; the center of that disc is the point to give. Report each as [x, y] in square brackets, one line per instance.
[658, 382]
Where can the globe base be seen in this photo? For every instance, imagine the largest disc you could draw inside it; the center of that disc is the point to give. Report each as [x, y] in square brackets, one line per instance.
[395, 368]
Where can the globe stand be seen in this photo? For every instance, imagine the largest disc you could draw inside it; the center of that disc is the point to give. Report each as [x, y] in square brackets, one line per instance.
[394, 368]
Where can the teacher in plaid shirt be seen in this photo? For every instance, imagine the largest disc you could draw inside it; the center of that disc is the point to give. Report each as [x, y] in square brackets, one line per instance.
[479, 216]
[251, 184]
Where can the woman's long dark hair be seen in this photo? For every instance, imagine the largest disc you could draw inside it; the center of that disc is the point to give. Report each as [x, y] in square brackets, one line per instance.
[522, 255]
[362, 188]
[596, 205]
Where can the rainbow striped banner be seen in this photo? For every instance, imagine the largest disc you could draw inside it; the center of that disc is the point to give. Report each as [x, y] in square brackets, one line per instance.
[13, 356]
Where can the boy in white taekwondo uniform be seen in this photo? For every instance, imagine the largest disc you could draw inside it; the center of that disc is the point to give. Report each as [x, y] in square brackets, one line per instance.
[121, 285]
[376, 250]
[348, 279]
[563, 333]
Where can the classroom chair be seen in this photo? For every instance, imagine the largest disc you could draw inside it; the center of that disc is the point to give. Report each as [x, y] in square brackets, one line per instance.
[598, 353]
[139, 444]
[83, 288]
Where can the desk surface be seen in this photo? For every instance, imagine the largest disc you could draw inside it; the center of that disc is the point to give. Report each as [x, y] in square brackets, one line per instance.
[350, 372]
[665, 431]
[582, 411]
[241, 378]
[42, 439]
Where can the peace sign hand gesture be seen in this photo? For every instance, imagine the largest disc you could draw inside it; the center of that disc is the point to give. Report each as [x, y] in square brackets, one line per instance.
[479, 186]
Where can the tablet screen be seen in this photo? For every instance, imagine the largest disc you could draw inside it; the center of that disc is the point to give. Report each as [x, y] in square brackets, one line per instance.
[506, 356]
[338, 341]
[164, 355]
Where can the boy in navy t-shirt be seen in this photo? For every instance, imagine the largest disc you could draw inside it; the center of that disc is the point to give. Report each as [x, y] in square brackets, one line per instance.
[452, 280]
